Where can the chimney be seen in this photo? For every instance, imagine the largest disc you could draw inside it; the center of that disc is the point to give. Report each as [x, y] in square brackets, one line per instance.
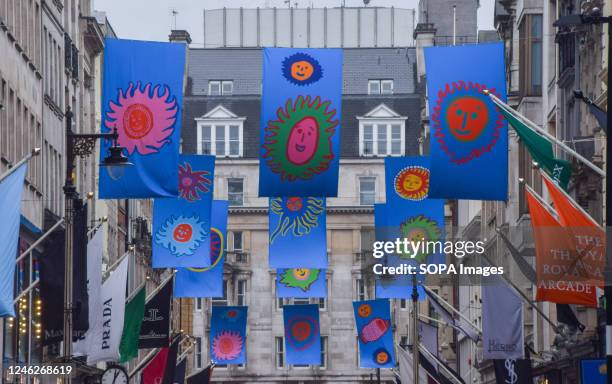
[179, 36]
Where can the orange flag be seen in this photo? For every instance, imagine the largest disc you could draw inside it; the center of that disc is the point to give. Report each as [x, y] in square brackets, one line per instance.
[588, 238]
[558, 281]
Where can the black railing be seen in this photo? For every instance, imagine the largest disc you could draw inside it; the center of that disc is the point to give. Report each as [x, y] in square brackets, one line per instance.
[567, 50]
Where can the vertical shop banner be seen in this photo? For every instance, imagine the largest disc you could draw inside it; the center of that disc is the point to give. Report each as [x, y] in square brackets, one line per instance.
[558, 278]
[298, 235]
[104, 335]
[300, 122]
[419, 223]
[302, 334]
[155, 328]
[469, 144]
[516, 371]
[228, 335]
[134, 316]
[207, 281]
[10, 197]
[142, 98]
[301, 283]
[181, 226]
[373, 320]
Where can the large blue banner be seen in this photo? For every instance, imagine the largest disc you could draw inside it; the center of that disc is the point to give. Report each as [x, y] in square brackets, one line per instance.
[301, 283]
[469, 143]
[207, 281]
[375, 334]
[302, 334]
[10, 204]
[142, 101]
[297, 232]
[228, 335]
[300, 122]
[181, 226]
[418, 222]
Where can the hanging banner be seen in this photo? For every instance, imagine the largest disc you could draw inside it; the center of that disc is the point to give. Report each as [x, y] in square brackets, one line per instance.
[228, 335]
[407, 180]
[593, 371]
[557, 272]
[155, 328]
[80, 297]
[10, 196]
[105, 333]
[418, 222]
[469, 138]
[297, 223]
[207, 281]
[301, 283]
[373, 321]
[142, 98]
[134, 312]
[502, 321]
[302, 334]
[181, 227]
[95, 251]
[300, 120]
[588, 238]
[515, 371]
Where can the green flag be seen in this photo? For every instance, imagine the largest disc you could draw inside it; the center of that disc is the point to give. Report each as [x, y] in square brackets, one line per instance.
[134, 312]
[541, 151]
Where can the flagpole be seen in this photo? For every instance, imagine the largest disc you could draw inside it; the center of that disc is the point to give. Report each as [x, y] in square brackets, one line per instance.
[34, 152]
[543, 132]
[453, 309]
[144, 362]
[161, 286]
[415, 330]
[425, 351]
[115, 264]
[434, 320]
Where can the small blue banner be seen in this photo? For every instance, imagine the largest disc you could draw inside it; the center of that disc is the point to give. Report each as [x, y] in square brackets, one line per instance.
[142, 98]
[469, 136]
[300, 122]
[181, 226]
[375, 334]
[228, 335]
[297, 232]
[301, 283]
[593, 371]
[207, 281]
[302, 334]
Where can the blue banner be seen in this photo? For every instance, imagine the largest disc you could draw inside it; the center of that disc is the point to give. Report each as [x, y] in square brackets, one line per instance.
[228, 335]
[418, 222]
[297, 232]
[300, 122]
[469, 138]
[207, 281]
[302, 334]
[593, 371]
[142, 98]
[301, 283]
[181, 227]
[375, 334]
[10, 204]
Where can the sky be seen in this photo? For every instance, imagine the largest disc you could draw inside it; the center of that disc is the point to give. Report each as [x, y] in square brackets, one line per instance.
[152, 19]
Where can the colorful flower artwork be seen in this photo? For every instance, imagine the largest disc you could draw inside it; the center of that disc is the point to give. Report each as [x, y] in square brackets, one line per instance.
[375, 336]
[300, 122]
[142, 96]
[297, 223]
[228, 335]
[302, 334]
[301, 283]
[469, 145]
[192, 183]
[182, 235]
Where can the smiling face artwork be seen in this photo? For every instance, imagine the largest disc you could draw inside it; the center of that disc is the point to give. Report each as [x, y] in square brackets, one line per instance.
[303, 141]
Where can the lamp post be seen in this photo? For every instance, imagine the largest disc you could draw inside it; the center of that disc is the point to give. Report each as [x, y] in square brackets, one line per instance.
[81, 145]
[595, 17]
[415, 330]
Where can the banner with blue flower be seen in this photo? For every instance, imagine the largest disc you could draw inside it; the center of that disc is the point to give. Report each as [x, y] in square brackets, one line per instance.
[228, 335]
[300, 122]
[374, 333]
[469, 135]
[207, 281]
[181, 226]
[142, 96]
[297, 232]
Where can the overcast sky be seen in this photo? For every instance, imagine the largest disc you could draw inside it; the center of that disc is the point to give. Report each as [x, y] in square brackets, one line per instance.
[152, 19]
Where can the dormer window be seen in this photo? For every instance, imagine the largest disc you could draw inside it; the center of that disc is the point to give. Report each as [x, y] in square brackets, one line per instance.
[382, 133]
[220, 133]
[220, 87]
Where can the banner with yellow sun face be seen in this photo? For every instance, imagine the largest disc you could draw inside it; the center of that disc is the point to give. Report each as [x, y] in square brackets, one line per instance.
[300, 120]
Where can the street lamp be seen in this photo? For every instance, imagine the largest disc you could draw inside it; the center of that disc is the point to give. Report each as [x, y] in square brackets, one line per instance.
[595, 17]
[81, 145]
